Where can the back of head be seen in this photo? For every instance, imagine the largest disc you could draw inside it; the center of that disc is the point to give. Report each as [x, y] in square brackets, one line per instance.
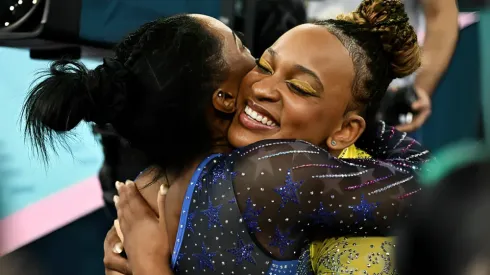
[155, 92]
[448, 230]
[383, 46]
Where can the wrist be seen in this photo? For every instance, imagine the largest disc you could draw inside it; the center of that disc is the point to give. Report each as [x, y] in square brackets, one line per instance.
[151, 264]
[153, 268]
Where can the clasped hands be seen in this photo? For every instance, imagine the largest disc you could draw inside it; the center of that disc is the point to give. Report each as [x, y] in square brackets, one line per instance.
[140, 232]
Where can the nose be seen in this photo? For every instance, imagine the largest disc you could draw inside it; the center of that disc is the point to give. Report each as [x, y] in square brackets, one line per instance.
[266, 89]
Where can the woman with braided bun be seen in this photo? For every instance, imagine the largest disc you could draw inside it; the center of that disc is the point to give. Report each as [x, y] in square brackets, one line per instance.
[255, 209]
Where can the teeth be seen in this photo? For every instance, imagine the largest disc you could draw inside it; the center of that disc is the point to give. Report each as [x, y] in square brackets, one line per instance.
[258, 117]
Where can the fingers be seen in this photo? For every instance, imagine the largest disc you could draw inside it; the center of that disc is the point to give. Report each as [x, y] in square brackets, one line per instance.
[162, 195]
[111, 239]
[128, 200]
[416, 123]
[115, 262]
[421, 104]
[112, 260]
[117, 226]
[131, 206]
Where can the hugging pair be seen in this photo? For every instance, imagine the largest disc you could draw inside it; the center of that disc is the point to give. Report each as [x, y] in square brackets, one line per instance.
[311, 164]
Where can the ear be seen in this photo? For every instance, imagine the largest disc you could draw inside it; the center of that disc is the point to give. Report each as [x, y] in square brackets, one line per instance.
[224, 102]
[352, 128]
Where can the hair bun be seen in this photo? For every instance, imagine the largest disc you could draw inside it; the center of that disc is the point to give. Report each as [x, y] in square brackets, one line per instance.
[388, 19]
[107, 90]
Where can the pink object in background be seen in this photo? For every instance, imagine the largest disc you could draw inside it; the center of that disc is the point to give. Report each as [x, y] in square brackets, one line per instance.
[49, 214]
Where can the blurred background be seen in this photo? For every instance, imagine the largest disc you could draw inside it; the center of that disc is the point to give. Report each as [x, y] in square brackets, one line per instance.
[53, 220]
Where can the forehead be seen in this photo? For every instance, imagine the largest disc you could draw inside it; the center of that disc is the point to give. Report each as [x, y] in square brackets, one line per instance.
[213, 23]
[315, 48]
[224, 33]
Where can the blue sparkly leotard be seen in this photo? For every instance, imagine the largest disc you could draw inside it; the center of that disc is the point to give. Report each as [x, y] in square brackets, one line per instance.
[254, 211]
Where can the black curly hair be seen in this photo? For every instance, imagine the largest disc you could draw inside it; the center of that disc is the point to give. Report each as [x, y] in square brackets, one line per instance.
[155, 92]
[383, 46]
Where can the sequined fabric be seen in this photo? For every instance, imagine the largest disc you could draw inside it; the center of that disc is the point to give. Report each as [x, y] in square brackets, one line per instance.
[355, 255]
[254, 211]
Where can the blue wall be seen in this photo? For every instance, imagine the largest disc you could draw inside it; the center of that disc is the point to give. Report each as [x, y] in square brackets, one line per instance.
[23, 178]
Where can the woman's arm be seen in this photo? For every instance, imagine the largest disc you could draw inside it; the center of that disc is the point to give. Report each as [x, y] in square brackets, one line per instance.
[289, 188]
[440, 40]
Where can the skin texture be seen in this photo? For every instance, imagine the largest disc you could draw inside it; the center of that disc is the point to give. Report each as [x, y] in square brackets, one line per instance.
[305, 93]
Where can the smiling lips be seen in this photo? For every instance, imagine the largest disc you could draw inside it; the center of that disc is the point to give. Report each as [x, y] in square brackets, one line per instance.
[259, 117]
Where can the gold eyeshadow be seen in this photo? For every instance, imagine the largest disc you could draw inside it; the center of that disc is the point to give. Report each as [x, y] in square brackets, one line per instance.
[263, 63]
[303, 85]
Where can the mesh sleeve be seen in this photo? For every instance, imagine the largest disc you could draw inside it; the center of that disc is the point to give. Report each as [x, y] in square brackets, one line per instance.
[292, 192]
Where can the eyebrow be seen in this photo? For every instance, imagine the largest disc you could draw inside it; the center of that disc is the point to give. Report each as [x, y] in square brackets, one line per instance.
[236, 36]
[300, 68]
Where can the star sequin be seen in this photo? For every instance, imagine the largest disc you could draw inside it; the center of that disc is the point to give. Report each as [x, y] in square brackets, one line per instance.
[288, 192]
[189, 223]
[322, 216]
[250, 216]
[281, 240]
[205, 258]
[219, 172]
[242, 252]
[199, 182]
[213, 214]
[364, 210]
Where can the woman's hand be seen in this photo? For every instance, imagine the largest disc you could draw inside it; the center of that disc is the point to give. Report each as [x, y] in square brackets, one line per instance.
[114, 263]
[145, 235]
[423, 108]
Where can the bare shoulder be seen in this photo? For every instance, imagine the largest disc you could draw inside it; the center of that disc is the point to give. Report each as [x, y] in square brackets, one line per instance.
[148, 183]
[149, 177]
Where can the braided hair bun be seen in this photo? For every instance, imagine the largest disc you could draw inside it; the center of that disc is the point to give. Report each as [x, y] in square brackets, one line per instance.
[388, 19]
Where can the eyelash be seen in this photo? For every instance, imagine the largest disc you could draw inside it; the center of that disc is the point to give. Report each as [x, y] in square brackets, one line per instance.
[293, 87]
[298, 90]
[262, 68]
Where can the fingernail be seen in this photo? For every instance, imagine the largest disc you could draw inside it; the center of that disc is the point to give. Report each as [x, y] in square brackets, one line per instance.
[128, 182]
[116, 199]
[117, 248]
[118, 185]
[163, 190]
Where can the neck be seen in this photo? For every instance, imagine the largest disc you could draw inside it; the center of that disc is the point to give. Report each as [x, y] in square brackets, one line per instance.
[220, 125]
[221, 145]
[335, 153]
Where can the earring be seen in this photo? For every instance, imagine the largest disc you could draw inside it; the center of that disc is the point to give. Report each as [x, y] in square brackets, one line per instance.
[220, 94]
[333, 143]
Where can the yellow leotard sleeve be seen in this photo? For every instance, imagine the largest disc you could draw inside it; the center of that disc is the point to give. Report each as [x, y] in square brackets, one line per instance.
[353, 255]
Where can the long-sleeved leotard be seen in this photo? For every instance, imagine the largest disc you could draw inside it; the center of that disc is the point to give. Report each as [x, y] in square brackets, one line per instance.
[301, 191]
[253, 211]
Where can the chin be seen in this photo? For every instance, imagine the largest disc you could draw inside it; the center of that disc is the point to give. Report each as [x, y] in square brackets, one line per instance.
[241, 137]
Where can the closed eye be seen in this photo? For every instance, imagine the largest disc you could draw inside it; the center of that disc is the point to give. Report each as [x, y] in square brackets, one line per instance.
[264, 66]
[301, 88]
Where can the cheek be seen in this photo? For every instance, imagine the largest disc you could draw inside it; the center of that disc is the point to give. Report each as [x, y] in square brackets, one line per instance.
[311, 121]
[247, 82]
[306, 116]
